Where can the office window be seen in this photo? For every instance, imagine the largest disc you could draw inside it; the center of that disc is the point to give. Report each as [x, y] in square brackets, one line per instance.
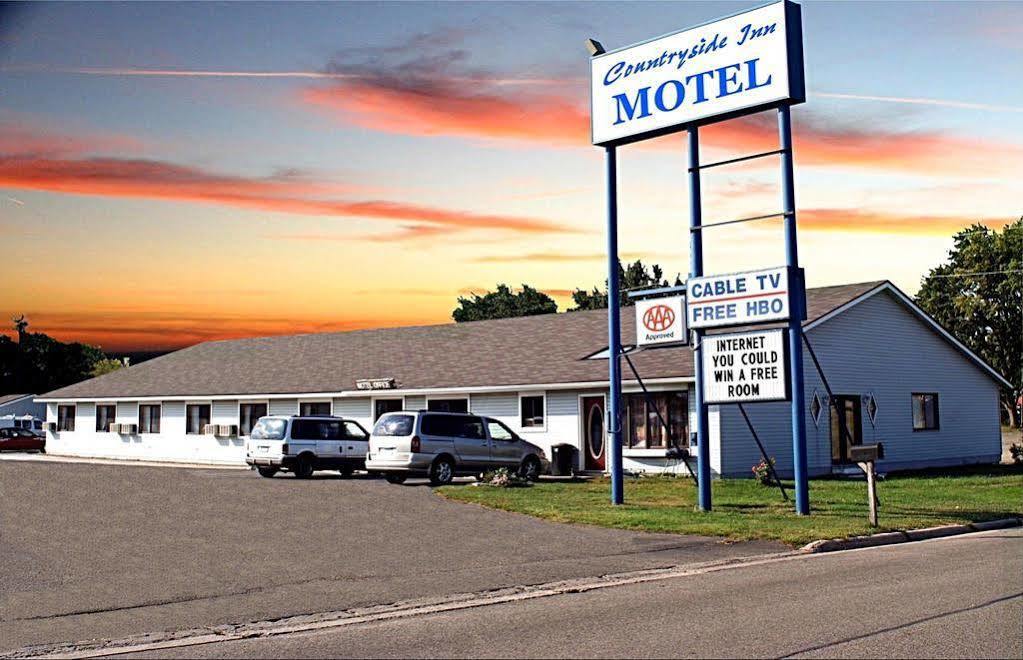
[448, 405]
[105, 416]
[531, 411]
[383, 406]
[248, 415]
[65, 418]
[314, 408]
[925, 412]
[149, 417]
[197, 416]
[644, 418]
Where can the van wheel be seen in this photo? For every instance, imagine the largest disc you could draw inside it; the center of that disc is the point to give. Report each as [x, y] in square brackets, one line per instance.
[303, 467]
[442, 471]
[266, 471]
[395, 478]
[530, 469]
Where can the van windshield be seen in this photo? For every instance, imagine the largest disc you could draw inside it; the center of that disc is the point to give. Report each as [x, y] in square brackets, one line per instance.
[394, 425]
[269, 429]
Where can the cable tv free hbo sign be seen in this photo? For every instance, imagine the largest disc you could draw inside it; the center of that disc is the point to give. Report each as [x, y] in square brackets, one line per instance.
[746, 367]
[759, 296]
[661, 321]
[734, 66]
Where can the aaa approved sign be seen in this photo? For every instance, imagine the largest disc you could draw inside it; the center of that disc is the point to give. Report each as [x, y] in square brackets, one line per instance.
[746, 367]
[661, 321]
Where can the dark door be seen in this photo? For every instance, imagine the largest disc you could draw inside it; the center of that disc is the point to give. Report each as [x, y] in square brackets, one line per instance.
[384, 406]
[846, 427]
[594, 437]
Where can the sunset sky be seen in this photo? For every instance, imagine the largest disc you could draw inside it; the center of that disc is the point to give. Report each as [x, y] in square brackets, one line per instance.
[176, 173]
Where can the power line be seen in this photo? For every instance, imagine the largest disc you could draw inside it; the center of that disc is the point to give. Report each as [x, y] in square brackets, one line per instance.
[978, 273]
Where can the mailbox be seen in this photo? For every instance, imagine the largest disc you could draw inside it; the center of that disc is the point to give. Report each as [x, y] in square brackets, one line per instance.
[866, 453]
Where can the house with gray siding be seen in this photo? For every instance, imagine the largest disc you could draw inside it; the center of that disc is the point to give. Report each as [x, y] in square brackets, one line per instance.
[896, 377]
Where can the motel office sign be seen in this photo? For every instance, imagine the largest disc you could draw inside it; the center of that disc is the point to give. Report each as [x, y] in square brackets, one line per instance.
[735, 66]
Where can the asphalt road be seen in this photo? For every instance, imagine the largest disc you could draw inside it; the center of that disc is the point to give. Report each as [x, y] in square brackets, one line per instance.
[106, 551]
[959, 597]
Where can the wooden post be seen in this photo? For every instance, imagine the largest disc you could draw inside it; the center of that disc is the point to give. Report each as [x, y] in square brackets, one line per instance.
[868, 467]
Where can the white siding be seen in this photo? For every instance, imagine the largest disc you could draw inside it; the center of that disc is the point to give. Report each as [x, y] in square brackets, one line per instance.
[224, 412]
[360, 410]
[504, 406]
[415, 403]
[283, 406]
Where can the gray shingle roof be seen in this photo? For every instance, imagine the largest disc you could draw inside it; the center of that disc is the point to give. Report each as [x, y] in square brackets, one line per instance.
[542, 349]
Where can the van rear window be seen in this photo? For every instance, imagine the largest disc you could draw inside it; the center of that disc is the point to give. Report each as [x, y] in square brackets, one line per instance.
[394, 425]
[269, 429]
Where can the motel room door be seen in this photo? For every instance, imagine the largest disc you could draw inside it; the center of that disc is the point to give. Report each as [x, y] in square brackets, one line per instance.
[848, 407]
[594, 438]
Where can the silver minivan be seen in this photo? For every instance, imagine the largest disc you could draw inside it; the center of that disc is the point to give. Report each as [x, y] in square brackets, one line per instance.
[442, 445]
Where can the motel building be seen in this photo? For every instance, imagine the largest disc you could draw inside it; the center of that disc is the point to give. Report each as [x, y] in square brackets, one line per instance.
[898, 378]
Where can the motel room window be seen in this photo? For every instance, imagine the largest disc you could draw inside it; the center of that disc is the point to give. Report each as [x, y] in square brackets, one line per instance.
[197, 416]
[383, 406]
[531, 411]
[645, 430]
[925, 412]
[311, 408]
[149, 417]
[248, 415]
[448, 405]
[65, 418]
[105, 416]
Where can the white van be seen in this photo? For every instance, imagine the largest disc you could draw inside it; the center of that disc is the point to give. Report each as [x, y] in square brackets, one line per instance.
[304, 444]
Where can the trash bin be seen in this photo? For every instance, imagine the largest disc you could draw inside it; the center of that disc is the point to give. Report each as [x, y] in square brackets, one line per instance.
[563, 460]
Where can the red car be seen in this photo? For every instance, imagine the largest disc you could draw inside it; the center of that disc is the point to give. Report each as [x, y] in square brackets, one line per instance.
[13, 438]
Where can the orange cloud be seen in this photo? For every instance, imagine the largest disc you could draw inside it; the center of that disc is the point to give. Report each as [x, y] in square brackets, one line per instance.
[441, 106]
[854, 220]
[148, 330]
[554, 257]
[148, 179]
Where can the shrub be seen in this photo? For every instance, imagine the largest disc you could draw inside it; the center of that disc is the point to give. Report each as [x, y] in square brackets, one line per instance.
[1016, 451]
[504, 478]
[762, 473]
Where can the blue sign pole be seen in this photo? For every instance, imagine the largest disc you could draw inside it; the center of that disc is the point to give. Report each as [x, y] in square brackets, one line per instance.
[614, 339]
[696, 270]
[796, 306]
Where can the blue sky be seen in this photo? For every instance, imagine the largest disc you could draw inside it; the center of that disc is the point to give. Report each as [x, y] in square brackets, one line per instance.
[284, 201]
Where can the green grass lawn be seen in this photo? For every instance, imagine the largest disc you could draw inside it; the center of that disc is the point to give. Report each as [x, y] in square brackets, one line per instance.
[743, 509]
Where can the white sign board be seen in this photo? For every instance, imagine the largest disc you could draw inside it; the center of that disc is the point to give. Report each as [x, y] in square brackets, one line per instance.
[759, 296]
[661, 321]
[734, 66]
[745, 367]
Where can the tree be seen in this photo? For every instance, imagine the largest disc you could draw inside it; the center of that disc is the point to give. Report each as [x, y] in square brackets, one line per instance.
[978, 297]
[38, 363]
[634, 277]
[107, 365]
[504, 303]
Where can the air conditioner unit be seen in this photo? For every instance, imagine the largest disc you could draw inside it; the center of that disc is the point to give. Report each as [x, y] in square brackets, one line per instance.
[126, 429]
[50, 426]
[209, 429]
[227, 430]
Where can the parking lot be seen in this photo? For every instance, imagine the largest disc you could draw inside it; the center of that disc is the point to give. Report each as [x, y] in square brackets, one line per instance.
[110, 550]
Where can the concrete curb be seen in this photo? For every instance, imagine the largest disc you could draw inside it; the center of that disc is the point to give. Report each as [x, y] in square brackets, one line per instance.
[887, 538]
[99, 460]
